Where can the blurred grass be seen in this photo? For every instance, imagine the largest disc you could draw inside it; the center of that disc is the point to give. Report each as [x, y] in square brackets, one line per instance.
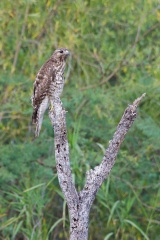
[115, 58]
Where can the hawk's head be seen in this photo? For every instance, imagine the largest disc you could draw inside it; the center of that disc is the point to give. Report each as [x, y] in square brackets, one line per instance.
[61, 54]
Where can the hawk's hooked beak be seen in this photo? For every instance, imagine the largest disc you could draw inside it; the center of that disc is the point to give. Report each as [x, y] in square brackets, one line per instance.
[67, 52]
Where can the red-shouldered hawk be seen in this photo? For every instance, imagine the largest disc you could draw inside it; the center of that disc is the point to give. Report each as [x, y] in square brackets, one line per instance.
[48, 84]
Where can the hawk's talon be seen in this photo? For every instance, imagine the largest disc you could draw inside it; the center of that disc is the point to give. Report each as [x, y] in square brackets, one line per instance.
[51, 109]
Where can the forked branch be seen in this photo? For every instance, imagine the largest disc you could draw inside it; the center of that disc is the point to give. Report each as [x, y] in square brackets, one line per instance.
[79, 204]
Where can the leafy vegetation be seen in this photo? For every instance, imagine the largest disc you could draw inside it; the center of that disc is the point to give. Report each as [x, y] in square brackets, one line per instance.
[115, 58]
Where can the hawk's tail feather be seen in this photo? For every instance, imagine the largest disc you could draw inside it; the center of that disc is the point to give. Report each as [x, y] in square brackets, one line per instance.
[38, 113]
[35, 120]
[38, 121]
[34, 116]
[37, 131]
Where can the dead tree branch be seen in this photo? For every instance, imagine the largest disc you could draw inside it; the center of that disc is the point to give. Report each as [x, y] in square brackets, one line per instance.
[79, 204]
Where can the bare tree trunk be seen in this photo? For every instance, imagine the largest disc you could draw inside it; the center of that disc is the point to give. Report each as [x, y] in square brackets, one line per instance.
[79, 226]
[79, 204]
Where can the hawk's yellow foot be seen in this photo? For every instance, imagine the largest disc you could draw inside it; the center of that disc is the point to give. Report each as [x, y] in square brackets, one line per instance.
[51, 109]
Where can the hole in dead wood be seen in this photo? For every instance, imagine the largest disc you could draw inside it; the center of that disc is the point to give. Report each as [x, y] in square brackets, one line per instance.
[74, 227]
[60, 166]
[58, 147]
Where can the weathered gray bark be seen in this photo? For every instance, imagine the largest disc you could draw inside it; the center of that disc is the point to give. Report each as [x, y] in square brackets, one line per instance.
[79, 203]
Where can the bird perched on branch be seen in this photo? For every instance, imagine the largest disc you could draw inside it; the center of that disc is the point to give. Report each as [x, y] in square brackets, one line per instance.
[48, 85]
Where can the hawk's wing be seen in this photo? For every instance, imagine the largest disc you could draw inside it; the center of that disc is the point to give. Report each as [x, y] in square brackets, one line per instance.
[41, 87]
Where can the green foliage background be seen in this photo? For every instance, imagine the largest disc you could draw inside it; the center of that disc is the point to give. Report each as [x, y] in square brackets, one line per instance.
[115, 58]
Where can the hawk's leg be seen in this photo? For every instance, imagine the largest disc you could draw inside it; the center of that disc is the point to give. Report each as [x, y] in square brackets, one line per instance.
[51, 108]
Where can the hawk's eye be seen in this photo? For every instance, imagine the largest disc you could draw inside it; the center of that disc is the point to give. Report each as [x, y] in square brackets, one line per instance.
[61, 51]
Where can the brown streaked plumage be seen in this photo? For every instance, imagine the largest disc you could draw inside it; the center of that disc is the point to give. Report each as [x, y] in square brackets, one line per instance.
[48, 84]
